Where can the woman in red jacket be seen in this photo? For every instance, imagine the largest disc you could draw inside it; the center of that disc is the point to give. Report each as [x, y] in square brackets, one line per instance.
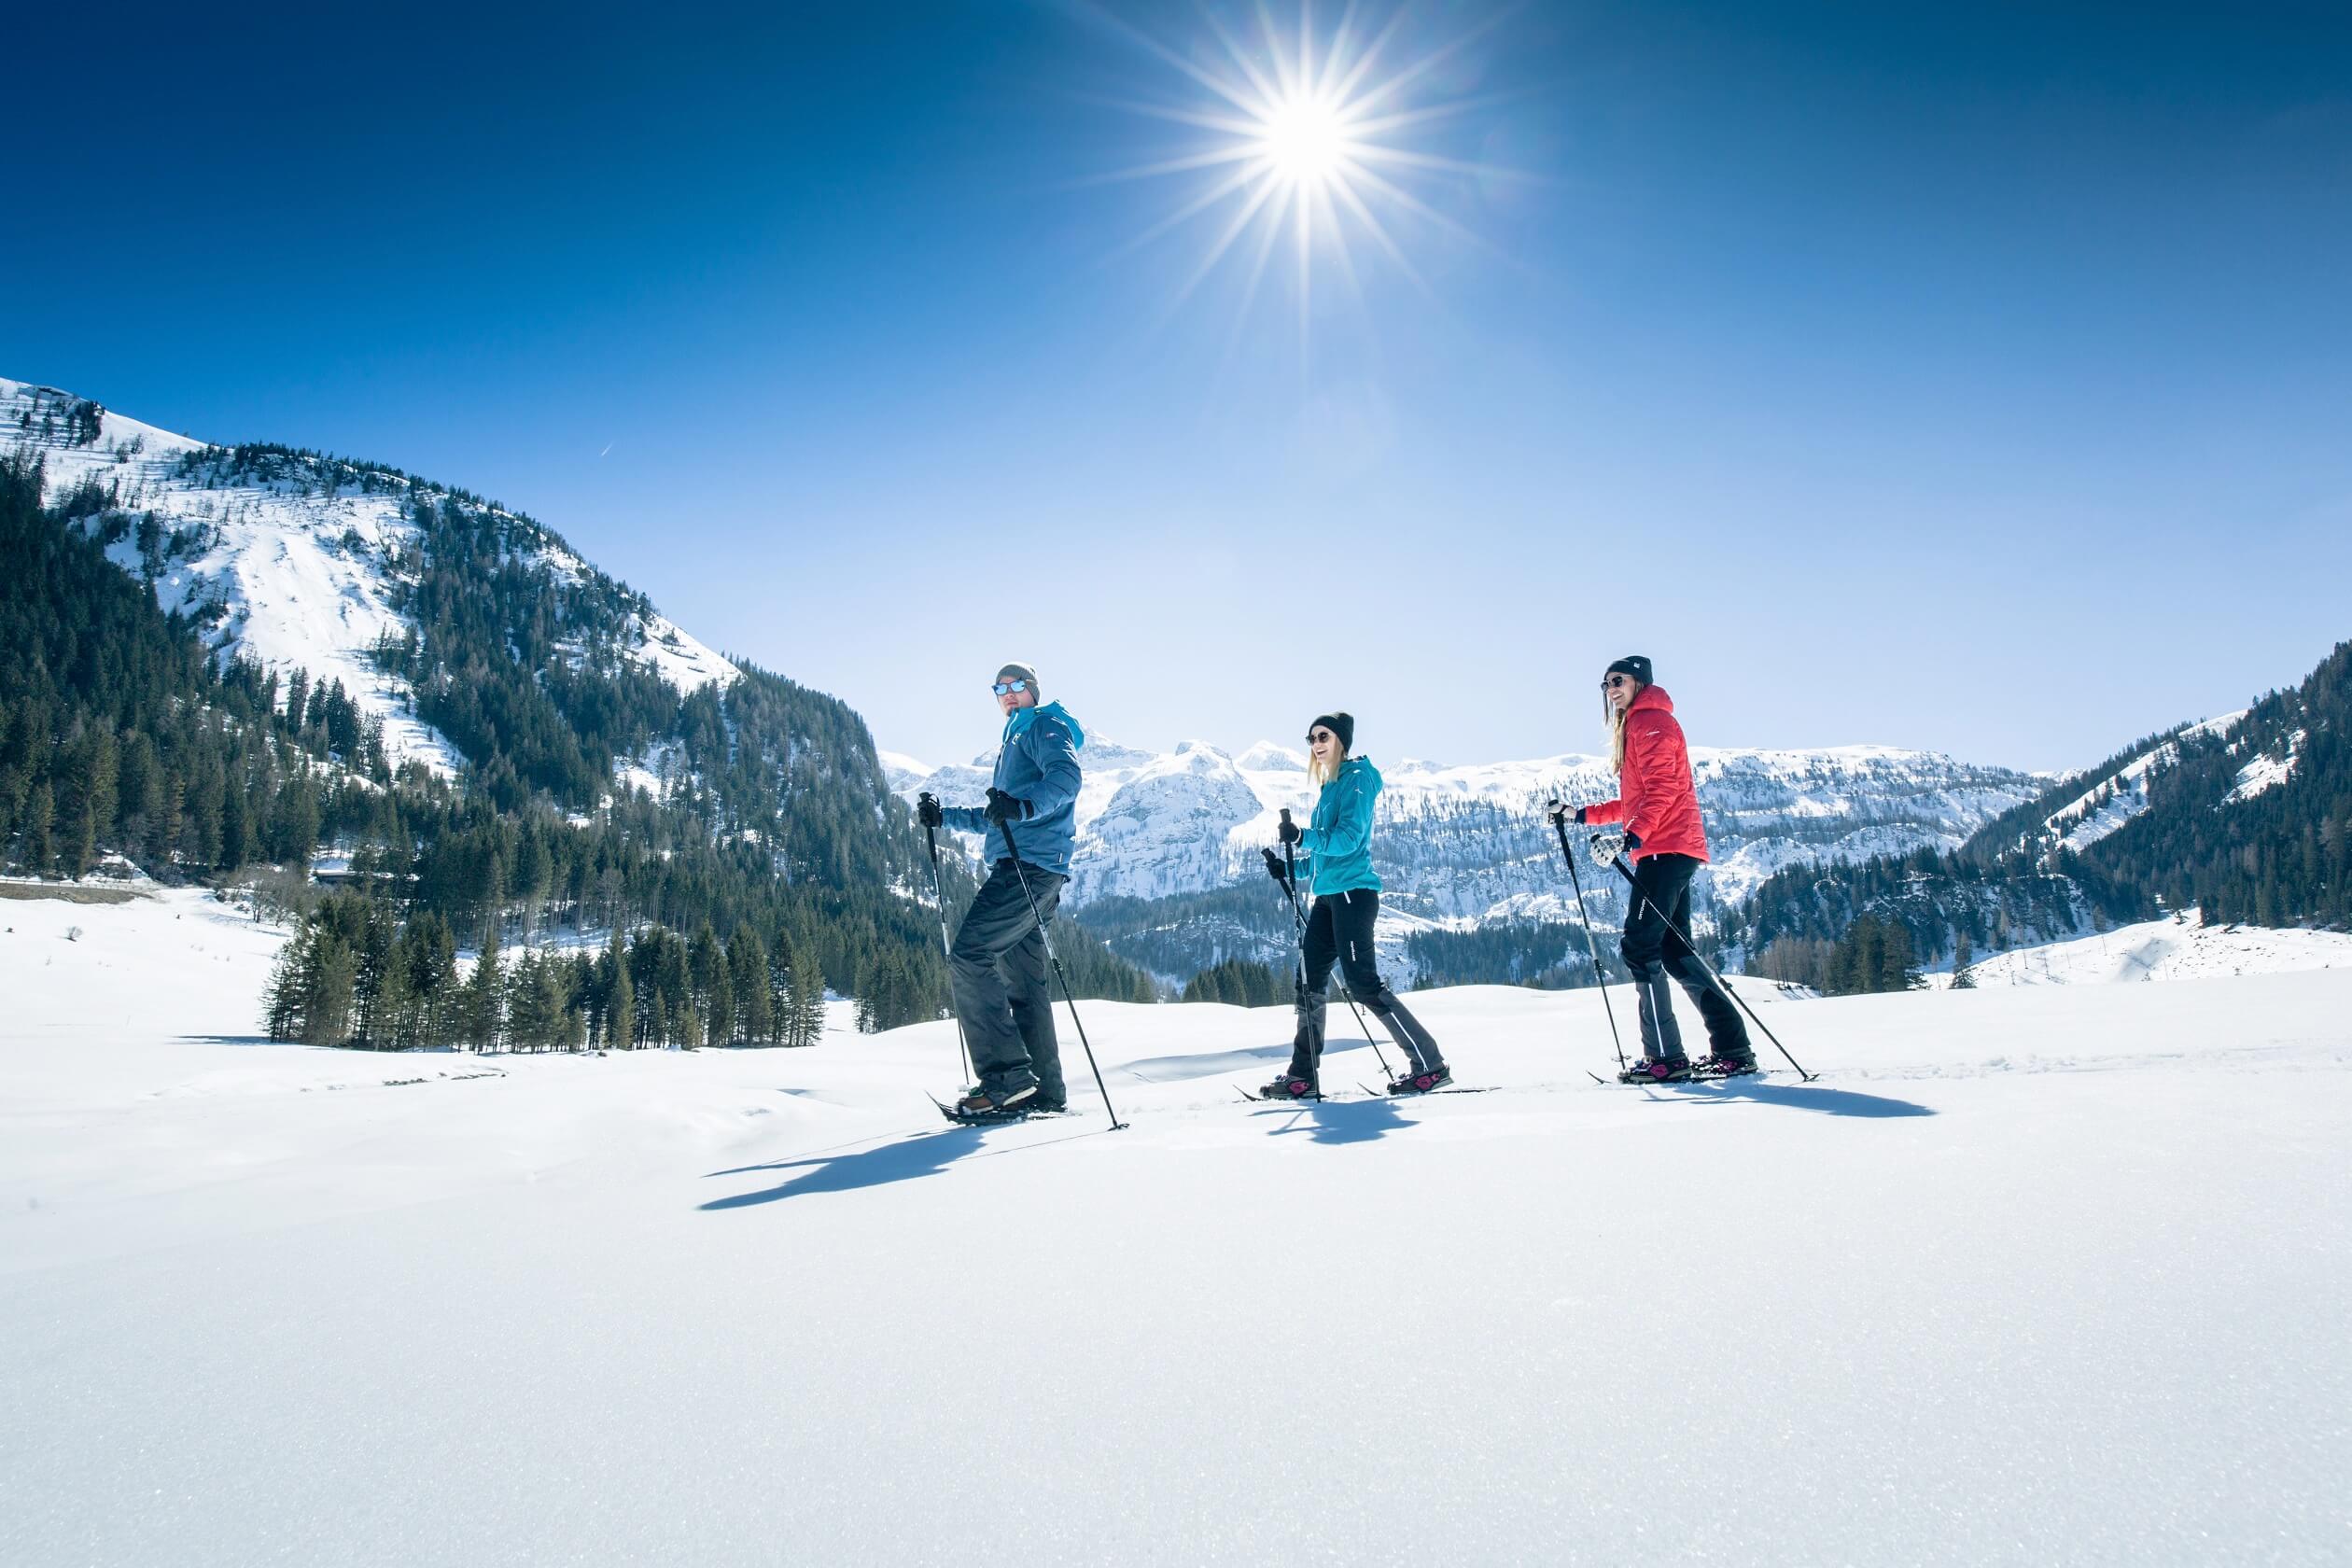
[1667, 844]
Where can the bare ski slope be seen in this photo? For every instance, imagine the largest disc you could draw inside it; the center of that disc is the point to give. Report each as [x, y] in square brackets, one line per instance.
[2031, 1275]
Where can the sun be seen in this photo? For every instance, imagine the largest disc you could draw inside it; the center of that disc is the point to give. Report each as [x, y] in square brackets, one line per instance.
[1313, 143]
[1305, 140]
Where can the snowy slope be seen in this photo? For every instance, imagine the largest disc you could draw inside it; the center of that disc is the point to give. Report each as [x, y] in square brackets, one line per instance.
[265, 1303]
[293, 569]
[2175, 948]
[2109, 803]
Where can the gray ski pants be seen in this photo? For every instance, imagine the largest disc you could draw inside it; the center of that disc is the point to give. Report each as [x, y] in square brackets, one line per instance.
[997, 964]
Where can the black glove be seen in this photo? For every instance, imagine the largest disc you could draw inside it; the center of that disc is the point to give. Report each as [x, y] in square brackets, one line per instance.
[1288, 833]
[1632, 841]
[1275, 868]
[926, 810]
[1002, 808]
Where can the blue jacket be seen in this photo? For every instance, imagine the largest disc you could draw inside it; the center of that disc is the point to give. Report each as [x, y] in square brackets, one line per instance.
[1038, 761]
[1335, 853]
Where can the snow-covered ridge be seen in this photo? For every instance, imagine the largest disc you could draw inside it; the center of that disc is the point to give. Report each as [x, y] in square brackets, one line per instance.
[297, 571]
[2266, 772]
[2123, 796]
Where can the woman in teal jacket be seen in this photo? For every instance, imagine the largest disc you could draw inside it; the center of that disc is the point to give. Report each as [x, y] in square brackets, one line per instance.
[1335, 859]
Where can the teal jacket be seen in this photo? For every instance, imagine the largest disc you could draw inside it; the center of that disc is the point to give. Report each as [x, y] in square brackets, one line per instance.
[1335, 854]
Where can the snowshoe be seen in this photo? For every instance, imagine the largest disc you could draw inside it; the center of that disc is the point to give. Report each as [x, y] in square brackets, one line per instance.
[1726, 1065]
[981, 1106]
[1421, 1082]
[1290, 1085]
[1656, 1070]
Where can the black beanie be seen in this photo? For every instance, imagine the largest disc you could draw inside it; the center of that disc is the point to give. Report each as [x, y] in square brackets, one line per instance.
[1341, 724]
[1632, 665]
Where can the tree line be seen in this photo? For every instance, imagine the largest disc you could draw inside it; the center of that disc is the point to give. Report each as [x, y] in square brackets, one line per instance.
[358, 973]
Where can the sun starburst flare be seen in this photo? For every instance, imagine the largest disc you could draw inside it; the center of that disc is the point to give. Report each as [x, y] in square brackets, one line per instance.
[1307, 140]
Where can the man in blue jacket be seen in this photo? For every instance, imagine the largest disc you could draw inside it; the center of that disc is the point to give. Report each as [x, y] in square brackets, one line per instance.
[998, 959]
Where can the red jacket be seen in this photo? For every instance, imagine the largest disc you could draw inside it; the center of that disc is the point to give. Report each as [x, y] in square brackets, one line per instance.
[1656, 800]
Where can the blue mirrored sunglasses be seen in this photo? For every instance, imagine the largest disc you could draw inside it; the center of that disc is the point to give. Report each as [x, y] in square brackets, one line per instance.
[1007, 688]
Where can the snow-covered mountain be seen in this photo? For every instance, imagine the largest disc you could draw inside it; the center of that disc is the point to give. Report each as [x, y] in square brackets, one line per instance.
[1467, 846]
[292, 560]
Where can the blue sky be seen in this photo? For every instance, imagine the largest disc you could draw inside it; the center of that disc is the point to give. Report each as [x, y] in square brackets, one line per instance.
[1975, 380]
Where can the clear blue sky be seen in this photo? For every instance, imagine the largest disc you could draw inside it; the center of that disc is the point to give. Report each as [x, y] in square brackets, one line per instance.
[1974, 377]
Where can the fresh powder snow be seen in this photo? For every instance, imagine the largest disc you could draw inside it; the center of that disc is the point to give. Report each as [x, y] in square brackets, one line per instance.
[2029, 1275]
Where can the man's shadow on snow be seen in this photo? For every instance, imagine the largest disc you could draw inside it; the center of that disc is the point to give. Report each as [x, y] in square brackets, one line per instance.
[1797, 1096]
[926, 1154]
[1341, 1121]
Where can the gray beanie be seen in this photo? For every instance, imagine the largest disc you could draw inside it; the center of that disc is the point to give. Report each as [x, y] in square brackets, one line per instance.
[1019, 672]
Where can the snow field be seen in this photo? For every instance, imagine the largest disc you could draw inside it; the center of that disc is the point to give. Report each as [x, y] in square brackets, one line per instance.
[2176, 948]
[2030, 1275]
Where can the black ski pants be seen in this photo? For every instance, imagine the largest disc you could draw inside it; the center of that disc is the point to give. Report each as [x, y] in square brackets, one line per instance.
[1655, 952]
[1339, 930]
[998, 965]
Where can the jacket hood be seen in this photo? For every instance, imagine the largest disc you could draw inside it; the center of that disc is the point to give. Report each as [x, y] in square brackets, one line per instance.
[1360, 767]
[1016, 723]
[1652, 696]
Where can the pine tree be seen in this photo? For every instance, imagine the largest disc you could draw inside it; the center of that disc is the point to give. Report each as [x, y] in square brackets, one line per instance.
[432, 953]
[806, 1003]
[289, 980]
[620, 998]
[480, 1012]
[526, 1020]
[1963, 955]
[1897, 969]
[748, 966]
[39, 854]
[327, 999]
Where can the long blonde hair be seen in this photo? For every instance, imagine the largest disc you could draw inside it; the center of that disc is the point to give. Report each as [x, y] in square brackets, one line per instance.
[1617, 730]
[1323, 772]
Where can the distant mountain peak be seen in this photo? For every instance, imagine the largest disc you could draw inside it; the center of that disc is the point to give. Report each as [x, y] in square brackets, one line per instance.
[295, 560]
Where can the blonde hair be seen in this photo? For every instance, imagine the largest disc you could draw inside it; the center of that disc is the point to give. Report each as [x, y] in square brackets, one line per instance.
[1616, 729]
[1323, 772]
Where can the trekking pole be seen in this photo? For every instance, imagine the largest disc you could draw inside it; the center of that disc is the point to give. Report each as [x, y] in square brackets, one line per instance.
[1559, 825]
[1290, 887]
[946, 947]
[1692, 948]
[1054, 958]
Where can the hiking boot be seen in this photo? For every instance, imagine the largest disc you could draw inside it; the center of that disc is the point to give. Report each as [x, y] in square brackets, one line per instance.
[979, 1102]
[1726, 1064]
[1421, 1082]
[1290, 1085]
[1656, 1070]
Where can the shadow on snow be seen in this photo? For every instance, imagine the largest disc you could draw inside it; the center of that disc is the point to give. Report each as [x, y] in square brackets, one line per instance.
[1797, 1096]
[925, 1154]
[1212, 1064]
[1341, 1121]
